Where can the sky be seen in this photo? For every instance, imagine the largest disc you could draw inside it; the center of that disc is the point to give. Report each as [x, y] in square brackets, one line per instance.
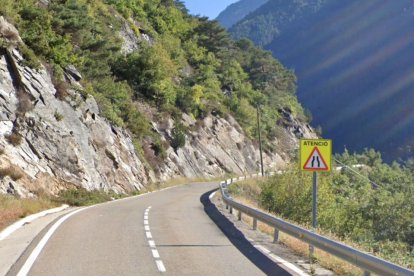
[209, 8]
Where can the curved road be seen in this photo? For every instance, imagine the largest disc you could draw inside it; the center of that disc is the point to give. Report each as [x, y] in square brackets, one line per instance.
[176, 231]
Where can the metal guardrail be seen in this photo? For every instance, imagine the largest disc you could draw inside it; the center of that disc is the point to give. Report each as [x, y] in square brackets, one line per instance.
[365, 261]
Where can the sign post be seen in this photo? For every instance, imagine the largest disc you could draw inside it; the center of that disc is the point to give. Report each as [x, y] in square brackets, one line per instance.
[315, 156]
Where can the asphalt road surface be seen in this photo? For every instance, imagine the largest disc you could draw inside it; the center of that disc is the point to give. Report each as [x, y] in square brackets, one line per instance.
[177, 231]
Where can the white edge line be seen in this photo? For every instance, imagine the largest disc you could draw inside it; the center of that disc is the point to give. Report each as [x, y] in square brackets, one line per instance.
[212, 195]
[149, 235]
[147, 228]
[9, 230]
[160, 266]
[281, 261]
[35, 253]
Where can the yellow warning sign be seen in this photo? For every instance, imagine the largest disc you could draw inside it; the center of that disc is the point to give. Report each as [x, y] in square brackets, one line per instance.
[315, 155]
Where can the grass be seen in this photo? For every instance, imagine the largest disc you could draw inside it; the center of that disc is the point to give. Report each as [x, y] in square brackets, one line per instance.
[14, 138]
[183, 181]
[83, 197]
[13, 208]
[13, 171]
[338, 266]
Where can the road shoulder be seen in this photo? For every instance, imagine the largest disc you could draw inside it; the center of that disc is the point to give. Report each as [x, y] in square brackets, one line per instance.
[15, 244]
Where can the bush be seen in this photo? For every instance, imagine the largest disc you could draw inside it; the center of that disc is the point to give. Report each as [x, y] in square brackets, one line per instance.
[14, 172]
[178, 136]
[25, 104]
[380, 218]
[58, 116]
[83, 197]
[14, 138]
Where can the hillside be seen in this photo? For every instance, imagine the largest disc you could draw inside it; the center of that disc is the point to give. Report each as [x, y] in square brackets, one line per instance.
[271, 19]
[237, 11]
[114, 95]
[353, 66]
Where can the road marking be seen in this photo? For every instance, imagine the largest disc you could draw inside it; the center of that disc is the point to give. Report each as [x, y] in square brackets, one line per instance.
[155, 253]
[281, 261]
[151, 242]
[212, 195]
[9, 230]
[35, 253]
[160, 266]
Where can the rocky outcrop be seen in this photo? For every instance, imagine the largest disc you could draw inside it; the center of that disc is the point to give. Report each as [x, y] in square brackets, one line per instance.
[50, 141]
[57, 143]
[215, 146]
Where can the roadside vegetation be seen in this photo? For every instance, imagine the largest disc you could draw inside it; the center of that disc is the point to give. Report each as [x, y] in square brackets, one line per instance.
[373, 209]
[13, 209]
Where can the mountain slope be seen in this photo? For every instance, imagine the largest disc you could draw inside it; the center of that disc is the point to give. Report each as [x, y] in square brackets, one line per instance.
[354, 72]
[237, 11]
[271, 19]
[116, 94]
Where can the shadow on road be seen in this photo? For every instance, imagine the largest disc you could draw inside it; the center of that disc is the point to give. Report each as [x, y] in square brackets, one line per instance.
[239, 241]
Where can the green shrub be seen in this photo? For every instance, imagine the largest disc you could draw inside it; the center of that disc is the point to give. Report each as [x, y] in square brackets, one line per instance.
[380, 218]
[83, 197]
[178, 136]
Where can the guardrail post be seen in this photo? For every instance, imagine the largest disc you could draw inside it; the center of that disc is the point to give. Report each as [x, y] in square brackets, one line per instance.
[276, 236]
[367, 273]
[254, 223]
[240, 215]
[231, 210]
[227, 206]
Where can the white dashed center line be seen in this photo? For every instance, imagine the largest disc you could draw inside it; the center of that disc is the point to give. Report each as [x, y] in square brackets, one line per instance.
[151, 242]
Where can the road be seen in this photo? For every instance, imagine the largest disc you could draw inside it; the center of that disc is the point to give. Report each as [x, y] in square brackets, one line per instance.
[174, 232]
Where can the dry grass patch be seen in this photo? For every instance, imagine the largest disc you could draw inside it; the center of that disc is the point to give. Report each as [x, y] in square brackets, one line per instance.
[175, 182]
[14, 139]
[13, 171]
[13, 209]
[183, 181]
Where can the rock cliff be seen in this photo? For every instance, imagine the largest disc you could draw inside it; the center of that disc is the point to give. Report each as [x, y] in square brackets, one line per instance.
[49, 142]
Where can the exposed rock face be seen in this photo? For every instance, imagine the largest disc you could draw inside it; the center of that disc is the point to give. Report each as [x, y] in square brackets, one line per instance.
[49, 144]
[63, 143]
[215, 146]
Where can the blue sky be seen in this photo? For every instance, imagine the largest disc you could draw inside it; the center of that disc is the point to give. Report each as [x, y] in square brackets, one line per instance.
[209, 8]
